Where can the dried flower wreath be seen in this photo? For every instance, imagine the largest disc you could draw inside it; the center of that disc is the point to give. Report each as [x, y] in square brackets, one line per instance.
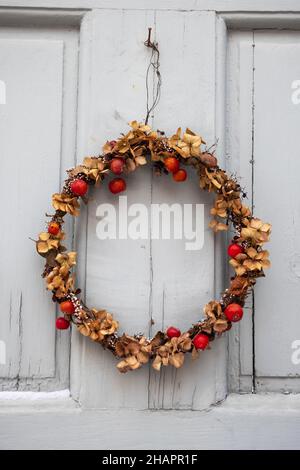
[248, 259]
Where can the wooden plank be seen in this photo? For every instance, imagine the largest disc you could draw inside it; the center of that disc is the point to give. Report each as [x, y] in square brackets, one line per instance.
[276, 191]
[80, 235]
[183, 281]
[272, 422]
[238, 162]
[286, 385]
[68, 155]
[244, 170]
[220, 265]
[117, 271]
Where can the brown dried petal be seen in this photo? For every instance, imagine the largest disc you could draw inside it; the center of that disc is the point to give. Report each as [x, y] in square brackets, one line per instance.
[177, 359]
[65, 203]
[220, 326]
[217, 226]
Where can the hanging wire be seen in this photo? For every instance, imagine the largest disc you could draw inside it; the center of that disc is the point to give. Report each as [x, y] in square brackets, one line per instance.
[153, 66]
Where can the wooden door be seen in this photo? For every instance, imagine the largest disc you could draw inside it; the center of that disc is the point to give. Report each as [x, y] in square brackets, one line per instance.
[70, 83]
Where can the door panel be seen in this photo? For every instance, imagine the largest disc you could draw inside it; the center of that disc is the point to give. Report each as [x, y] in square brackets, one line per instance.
[277, 196]
[262, 140]
[37, 134]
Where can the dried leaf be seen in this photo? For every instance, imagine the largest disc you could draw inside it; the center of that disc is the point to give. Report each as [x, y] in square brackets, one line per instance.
[65, 203]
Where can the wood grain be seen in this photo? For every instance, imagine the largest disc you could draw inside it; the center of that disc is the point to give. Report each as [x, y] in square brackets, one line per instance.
[117, 271]
[239, 161]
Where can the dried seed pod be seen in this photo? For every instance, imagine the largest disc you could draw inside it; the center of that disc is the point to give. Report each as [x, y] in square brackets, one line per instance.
[208, 159]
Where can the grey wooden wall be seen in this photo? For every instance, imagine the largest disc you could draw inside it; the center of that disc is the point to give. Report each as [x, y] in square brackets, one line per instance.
[73, 83]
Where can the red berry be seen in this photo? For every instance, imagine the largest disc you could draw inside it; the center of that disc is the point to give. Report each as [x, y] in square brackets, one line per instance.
[201, 341]
[116, 166]
[62, 323]
[180, 175]
[79, 187]
[67, 307]
[171, 164]
[233, 312]
[53, 228]
[117, 185]
[173, 332]
[234, 249]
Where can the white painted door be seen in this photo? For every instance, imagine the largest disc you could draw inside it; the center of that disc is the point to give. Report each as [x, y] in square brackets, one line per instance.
[70, 80]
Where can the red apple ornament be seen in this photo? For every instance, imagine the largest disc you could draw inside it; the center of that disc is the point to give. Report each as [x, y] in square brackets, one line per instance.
[234, 249]
[117, 165]
[180, 175]
[53, 228]
[67, 307]
[79, 187]
[201, 341]
[171, 164]
[173, 332]
[62, 323]
[233, 312]
[117, 185]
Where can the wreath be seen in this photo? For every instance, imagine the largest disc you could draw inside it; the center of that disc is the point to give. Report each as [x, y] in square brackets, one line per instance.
[138, 147]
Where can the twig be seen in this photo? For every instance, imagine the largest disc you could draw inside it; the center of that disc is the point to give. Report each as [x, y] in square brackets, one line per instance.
[154, 65]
